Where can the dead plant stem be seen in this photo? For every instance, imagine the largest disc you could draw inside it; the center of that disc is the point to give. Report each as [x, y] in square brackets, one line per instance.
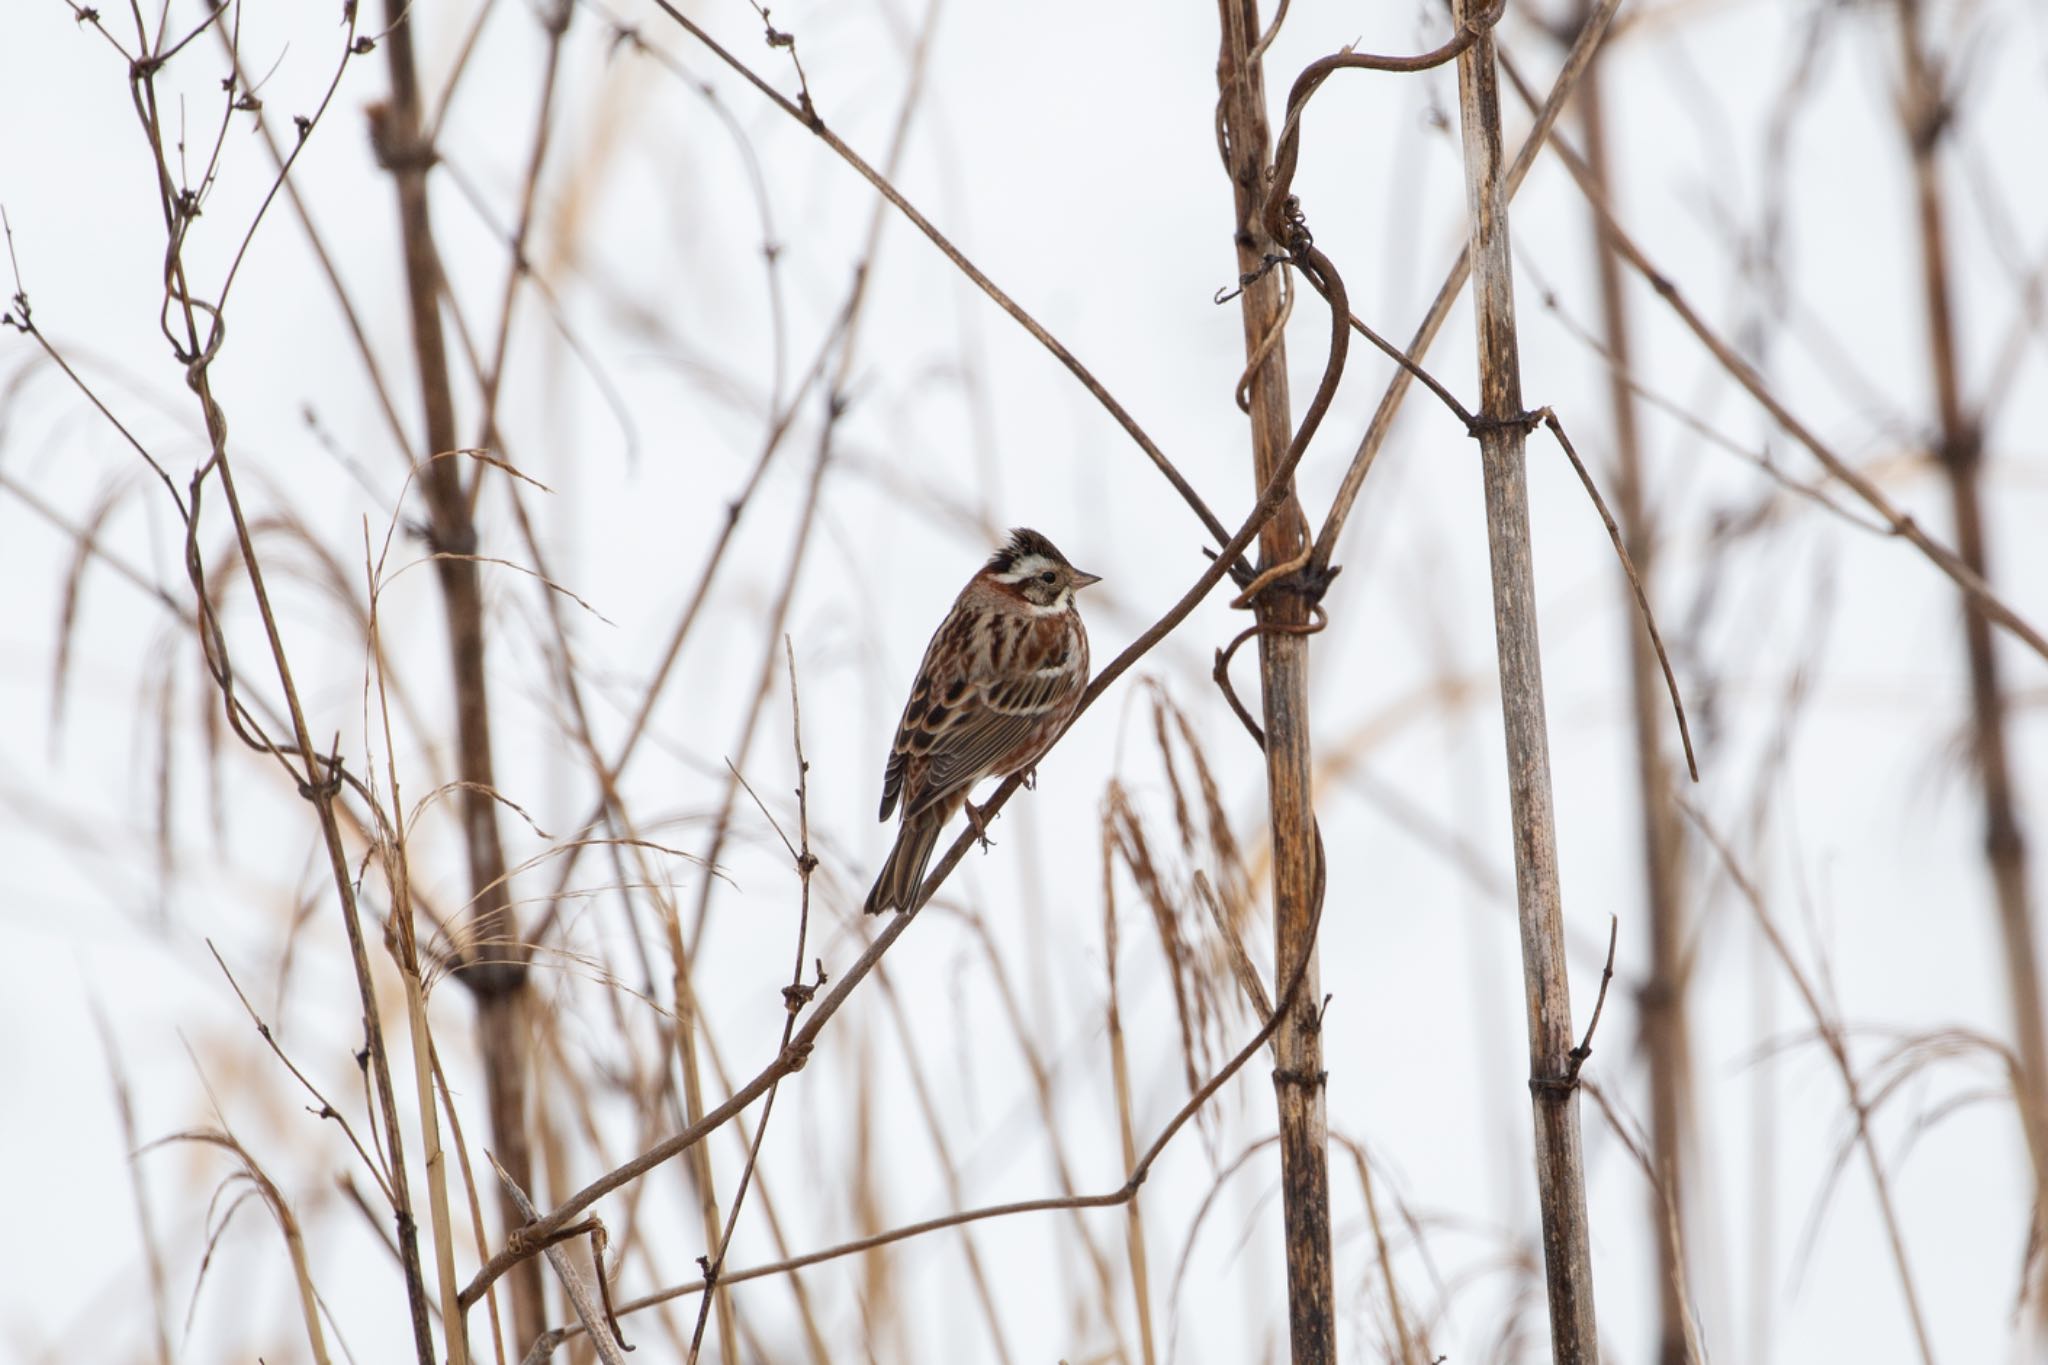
[497, 974]
[1661, 998]
[1560, 1171]
[1926, 112]
[1283, 612]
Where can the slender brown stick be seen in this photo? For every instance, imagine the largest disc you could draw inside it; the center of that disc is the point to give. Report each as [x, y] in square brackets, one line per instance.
[1926, 111]
[594, 1319]
[1639, 593]
[1123, 1194]
[807, 115]
[1560, 1170]
[794, 996]
[498, 977]
[1120, 1080]
[1898, 523]
[403, 944]
[1661, 998]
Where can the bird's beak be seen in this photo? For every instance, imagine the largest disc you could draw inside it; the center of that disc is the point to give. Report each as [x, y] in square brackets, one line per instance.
[1082, 580]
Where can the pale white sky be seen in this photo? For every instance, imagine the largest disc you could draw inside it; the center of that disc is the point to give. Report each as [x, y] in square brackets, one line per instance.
[1068, 148]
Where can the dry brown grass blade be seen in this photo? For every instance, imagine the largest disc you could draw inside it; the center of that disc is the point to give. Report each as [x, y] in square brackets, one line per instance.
[280, 1209]
[1187, 1250]
[1124, 840]
[1117, 811]
[475, 1202]
[1671, 1253]
[1413, 1348]
[1241, 967]
[84, 545]
[138, 1185]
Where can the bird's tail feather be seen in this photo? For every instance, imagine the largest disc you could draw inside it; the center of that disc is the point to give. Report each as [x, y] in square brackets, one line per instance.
[903, 874]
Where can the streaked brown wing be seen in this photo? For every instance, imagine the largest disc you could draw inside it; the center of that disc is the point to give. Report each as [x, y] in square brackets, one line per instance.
[942, 681]
[990, 721]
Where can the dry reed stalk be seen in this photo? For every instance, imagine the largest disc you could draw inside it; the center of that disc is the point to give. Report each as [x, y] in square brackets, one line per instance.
[1412, 1351]
[138, 1186]
[1661, 998]
[1283, 614]
[1560, 1170]
[403, 945]
[1120, 1078]
[475, 1206]
[1926, 115]
[496, 970]
[287, 1225]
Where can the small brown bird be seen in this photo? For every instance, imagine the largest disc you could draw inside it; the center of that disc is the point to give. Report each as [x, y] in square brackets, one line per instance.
[999, 682]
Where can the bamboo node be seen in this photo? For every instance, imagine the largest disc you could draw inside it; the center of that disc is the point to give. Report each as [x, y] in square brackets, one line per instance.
[1524, 422]
[1307, 1080]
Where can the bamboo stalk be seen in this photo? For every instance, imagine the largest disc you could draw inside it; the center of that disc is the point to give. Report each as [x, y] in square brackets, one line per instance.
[1503, 429]
[1925, 113]
[1661, 1000]
[495, 971]
[1298, 1076]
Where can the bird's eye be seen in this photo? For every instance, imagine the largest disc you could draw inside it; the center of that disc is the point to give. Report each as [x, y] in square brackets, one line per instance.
[1046, 577]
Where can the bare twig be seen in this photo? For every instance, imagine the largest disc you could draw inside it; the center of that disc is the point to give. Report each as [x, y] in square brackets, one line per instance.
[596, 1319]
[1123, 1194]
[1635, 583]
[1831, 1036]
[1904, 526]
[1591, 34]
[795, 995]
[809, 117]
